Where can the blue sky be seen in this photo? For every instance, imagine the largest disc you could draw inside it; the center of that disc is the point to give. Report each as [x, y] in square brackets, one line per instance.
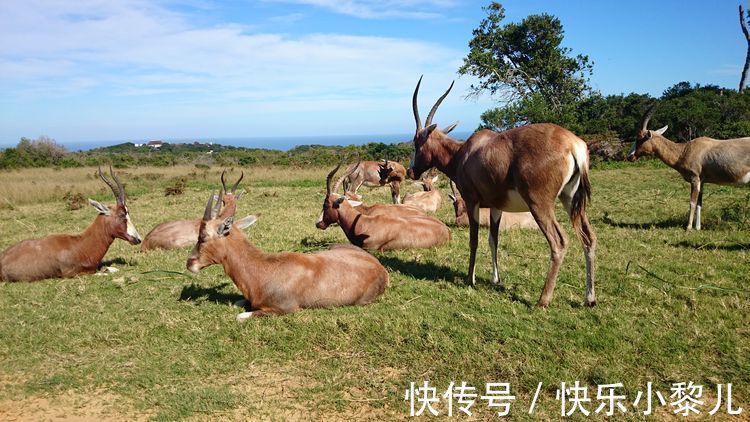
[90, 70]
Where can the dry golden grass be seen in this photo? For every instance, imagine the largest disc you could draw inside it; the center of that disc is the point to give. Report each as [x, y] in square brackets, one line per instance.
[29, 186]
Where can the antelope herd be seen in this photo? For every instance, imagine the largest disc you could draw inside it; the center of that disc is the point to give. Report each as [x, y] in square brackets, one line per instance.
[502, 180]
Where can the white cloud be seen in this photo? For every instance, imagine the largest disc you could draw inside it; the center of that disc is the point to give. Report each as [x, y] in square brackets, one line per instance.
[109, 55]
[377, 9]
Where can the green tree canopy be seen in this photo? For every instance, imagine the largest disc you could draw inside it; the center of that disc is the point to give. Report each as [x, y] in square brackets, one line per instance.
[526, 66]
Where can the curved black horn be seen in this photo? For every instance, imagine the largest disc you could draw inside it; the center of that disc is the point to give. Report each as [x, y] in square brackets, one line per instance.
[209, 208]
[120, 187]
[647, 116]
[329, 177]
[437, 104]
[414, 105]
[223, 182]
[234, 188]
[111, 186]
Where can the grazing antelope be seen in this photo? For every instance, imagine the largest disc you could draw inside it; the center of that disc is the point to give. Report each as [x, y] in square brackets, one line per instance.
[280, 283]
[430, 199]
[389, 230]
[701, 160]
[373, 174]
[182, 233]
[392, 173]
[521, 169]
[66, 255]
[509, 220]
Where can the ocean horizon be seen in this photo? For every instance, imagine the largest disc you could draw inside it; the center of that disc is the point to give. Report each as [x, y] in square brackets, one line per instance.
[283, 143]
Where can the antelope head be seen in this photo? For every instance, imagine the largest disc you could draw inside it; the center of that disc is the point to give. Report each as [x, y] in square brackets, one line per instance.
[332, 201]
[428, 181]
[117, 218]
[426, 137]
[214, 230]
[459, 206]
[643, 144]
[229, 197]
[384, 171]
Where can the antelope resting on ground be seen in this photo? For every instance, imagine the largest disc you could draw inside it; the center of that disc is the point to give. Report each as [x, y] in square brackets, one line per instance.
[183, 233]
[373, 174]
[400, 228]
[65, 255]
[700, 160]
[280, 283]
[522, 169]
[509, 220]
[430, 199]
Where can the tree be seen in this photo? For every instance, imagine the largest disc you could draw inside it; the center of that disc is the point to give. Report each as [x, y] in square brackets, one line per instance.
[527, 67]
[743, 78]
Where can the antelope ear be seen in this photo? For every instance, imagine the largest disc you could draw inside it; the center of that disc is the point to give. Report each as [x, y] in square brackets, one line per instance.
[246, 222]
[662, 130]
[339, 200]
[225, 227]
[453, 198]
[239, 195]
[429, 129]
[355, 203]
[450, 127]
[103, 209]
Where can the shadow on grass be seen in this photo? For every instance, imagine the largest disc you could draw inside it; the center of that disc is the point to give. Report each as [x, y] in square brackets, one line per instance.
[115, 261]
[423, 270]
[194, 292]
[670, 223]
[720, 245]
[434, 272]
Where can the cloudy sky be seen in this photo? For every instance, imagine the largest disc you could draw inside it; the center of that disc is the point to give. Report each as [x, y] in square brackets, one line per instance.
[114, 70]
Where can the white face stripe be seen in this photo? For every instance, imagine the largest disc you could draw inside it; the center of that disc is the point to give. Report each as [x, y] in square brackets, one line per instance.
[131, 227]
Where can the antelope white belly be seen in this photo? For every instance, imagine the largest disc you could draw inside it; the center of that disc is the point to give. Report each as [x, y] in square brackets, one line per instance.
[514, 202]
[746, 178]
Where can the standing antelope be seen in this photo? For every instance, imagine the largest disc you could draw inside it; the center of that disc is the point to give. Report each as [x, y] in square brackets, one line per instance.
[66, 255]
[373, 174]
[430, 199]
[392, 230]
[182, 233]
[522, 169]
[509, 220]
[700, 160]
[280, 283]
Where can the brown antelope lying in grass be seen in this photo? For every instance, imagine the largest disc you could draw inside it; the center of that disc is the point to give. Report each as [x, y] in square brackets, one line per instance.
[66, 255]
[398, 228]
[702, 160]
[373, 174]
[182, 233]
[509, 220]
[430, 199]
[280, 283]
[522, 169]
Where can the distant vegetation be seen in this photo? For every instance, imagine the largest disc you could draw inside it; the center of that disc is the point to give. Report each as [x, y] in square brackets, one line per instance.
[45, 152]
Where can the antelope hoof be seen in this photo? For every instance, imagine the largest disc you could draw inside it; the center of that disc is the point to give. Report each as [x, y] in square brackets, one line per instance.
[542, 305]
[241, 303]
[591, 303]
[244, 316]
[470, 281]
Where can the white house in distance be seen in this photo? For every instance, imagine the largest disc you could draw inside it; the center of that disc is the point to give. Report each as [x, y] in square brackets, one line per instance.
[154, 144]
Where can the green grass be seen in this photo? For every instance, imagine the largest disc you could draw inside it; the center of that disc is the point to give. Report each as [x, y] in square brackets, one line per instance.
[672, 306]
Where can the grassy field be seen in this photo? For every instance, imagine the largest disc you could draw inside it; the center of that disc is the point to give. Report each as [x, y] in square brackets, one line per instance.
[152, 341]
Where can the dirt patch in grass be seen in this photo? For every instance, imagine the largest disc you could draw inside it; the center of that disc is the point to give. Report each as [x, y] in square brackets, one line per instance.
[71, 405]
[285, 393]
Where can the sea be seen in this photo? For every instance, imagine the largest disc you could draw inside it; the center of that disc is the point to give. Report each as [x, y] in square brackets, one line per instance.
[283, 143]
